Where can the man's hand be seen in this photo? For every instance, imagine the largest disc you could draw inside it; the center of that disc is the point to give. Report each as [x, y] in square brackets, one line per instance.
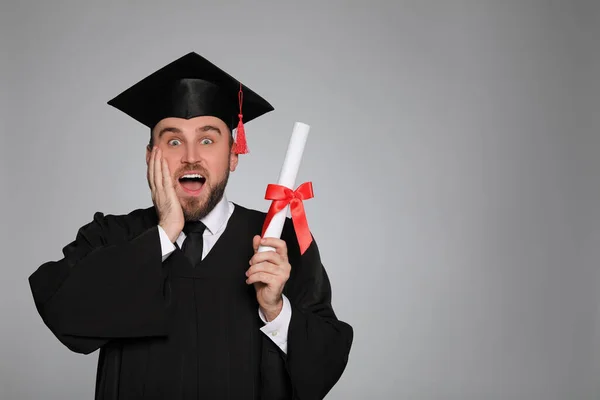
[170, 213]
[269, 271]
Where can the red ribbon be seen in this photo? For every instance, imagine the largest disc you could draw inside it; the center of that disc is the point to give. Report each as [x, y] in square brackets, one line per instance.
[282, 196]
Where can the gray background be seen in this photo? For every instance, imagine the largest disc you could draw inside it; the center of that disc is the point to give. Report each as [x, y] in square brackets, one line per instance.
[453, 153]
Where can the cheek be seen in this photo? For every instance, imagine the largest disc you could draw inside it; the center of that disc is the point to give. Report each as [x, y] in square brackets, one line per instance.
[218, 164]
[172, 161]
[172, 167]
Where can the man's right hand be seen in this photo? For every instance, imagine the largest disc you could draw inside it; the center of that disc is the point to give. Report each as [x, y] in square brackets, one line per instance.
[170, 213]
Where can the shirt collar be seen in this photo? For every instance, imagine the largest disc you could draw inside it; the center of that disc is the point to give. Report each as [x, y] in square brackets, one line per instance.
[215, 219]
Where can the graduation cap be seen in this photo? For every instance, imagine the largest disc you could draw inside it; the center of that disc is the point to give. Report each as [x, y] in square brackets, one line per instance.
[189, 87]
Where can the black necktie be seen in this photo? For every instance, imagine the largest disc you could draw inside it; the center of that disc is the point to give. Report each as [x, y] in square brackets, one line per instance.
[192, 246]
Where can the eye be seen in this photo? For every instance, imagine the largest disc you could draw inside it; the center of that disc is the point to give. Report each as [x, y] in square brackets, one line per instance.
[206, 141]
[174, 142]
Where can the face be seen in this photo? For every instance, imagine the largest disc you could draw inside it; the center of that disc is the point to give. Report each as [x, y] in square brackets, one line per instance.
[199, 157]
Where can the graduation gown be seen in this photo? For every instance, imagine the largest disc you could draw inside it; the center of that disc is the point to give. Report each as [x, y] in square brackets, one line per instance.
[170, 330]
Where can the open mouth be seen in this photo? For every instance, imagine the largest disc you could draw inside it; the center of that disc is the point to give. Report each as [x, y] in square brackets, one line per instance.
[192, 183]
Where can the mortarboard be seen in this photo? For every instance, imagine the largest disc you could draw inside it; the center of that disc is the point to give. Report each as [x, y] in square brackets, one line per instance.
[189, 87]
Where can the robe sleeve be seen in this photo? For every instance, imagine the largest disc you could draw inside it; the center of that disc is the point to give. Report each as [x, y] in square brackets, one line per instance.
[318, 342]
[109, 284]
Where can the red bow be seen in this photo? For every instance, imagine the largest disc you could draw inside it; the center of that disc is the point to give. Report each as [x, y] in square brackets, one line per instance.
[282, 196]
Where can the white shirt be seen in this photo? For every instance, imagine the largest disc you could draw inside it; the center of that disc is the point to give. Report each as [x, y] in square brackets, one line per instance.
[216, 222]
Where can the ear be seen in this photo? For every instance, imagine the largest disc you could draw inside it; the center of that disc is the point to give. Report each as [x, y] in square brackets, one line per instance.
[233, 159]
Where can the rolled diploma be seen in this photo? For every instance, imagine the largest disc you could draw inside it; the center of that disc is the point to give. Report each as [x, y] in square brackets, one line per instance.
[287, 178]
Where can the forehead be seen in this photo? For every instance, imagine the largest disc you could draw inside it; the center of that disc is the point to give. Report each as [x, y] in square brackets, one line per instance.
[190, 125]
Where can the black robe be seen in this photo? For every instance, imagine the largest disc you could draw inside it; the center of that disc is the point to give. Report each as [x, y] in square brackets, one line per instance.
[173, 331]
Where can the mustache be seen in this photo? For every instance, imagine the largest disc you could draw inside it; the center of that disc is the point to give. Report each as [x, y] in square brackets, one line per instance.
[192, 167]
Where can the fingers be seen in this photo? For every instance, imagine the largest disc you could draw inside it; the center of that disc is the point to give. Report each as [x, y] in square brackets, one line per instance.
[268, 256]
[265, 267]
[278, 244]
[167, 178]
[268, 267]
[151, 171]
[262, 277]
[268, 273]
[158, 176]
[154, 170]
[272, 262]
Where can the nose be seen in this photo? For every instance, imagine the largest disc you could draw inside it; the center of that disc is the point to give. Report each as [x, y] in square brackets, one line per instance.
[191, 154]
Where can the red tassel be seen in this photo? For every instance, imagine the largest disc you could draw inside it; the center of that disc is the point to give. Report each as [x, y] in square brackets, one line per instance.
[241, 146]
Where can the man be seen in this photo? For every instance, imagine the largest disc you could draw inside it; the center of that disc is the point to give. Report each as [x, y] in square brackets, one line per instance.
[176, 296]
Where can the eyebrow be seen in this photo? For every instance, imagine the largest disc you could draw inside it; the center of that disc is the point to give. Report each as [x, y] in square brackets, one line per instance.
[168, 129]
[207, 128]
[204, 128]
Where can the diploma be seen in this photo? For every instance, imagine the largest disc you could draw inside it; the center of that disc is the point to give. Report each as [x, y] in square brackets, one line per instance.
[287, 178]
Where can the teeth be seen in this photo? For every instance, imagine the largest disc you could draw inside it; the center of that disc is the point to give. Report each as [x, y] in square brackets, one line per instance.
[191, 176]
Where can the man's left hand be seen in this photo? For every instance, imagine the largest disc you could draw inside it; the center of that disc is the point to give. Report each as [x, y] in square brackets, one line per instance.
[269, 271]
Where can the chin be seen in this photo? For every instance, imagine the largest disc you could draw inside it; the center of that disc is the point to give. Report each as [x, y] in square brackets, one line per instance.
[193, 207]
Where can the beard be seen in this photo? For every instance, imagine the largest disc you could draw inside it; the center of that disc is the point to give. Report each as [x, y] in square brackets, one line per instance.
[195, 209]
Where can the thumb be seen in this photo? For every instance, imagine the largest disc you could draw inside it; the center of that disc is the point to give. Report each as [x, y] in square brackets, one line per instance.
[256, 242]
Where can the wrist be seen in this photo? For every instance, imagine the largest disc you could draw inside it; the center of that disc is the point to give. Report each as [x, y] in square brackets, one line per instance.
[171, 231]
[272, 312]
